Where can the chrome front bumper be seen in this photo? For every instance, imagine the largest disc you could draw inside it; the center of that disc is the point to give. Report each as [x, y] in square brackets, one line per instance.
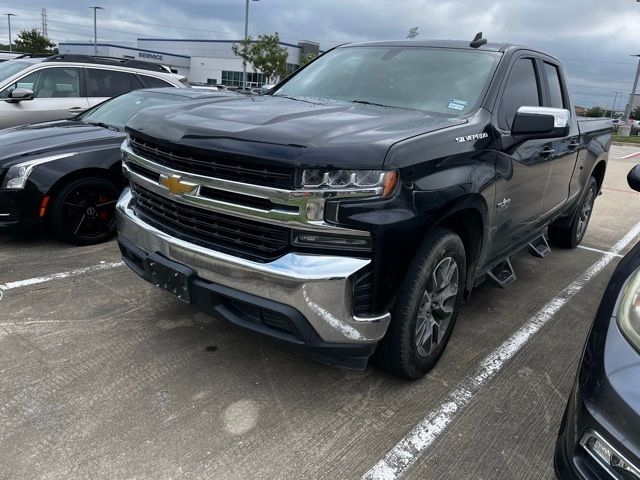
[318, 286]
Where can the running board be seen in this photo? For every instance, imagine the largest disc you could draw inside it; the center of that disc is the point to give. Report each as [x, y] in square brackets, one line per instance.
[502, 275]
[540, 247]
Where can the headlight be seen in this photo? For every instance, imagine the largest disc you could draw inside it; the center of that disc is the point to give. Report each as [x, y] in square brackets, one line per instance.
[629, 310]
[17, 175]
[379, 182]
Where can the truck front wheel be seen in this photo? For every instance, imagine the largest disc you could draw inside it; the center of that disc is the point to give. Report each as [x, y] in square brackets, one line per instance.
[427, 307]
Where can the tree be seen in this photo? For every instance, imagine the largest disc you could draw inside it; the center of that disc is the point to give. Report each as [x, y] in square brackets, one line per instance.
[307, 58]
[635, 113]
[265, 55]
[595, 112]
[31, 41]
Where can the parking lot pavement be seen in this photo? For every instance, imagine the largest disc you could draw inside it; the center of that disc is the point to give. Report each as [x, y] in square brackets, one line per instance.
[104, 376]
[626, 151]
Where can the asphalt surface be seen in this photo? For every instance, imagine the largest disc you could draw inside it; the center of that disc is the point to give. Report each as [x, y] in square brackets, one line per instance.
[104, 376]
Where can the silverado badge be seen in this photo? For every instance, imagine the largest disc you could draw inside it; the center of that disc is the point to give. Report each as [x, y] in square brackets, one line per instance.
[471, 138]
[504, 204]
[175, 184]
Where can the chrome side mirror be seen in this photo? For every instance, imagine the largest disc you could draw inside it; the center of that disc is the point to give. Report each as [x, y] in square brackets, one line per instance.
[541, 122]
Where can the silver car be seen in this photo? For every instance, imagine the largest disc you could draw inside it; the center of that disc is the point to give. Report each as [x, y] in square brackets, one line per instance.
[34, 90]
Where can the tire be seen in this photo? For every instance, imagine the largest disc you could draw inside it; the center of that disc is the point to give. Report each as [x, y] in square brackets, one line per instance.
[572, 235]
[83, 211]
[408, 350]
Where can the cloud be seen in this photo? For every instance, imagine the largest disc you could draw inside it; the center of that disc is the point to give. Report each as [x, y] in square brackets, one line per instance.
[593, 38]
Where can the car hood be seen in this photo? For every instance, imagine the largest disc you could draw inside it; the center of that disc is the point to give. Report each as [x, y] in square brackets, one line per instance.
[289, 131]
[34, 141]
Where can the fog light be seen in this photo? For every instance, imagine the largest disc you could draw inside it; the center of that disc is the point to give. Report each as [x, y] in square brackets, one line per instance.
[345, 242]
[616, 465]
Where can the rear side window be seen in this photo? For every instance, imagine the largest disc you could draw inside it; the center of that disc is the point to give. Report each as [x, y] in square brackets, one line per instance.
[107, 83]
[555, 89]
[153, 82]
[521, 90]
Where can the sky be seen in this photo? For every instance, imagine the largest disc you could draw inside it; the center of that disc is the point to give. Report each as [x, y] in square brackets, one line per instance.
[593, 38]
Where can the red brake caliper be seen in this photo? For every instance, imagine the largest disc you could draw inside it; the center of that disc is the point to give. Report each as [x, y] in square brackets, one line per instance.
[104, 214]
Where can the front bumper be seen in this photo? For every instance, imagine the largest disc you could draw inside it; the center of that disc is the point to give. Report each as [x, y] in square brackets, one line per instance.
[19, 207]
[315, 290]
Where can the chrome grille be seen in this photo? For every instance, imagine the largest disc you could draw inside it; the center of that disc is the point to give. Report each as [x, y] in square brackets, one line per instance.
[217, 164]
[236, 236]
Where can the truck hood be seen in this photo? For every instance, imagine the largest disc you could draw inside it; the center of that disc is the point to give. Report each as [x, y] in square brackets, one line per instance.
[289, 131]
[45, 139]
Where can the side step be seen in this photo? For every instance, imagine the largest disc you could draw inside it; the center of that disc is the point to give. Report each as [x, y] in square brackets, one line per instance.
[502, 275]
[539, 247]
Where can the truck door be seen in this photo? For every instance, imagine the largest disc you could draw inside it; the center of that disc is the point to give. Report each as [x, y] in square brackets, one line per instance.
[565, 150]
[522, 166]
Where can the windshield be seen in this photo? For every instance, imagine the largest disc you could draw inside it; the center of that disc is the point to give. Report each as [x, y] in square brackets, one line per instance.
[10, 68]
[117, 111]
[444, 81]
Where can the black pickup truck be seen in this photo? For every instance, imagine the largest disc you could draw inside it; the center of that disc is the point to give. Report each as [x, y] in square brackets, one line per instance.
[353, 208]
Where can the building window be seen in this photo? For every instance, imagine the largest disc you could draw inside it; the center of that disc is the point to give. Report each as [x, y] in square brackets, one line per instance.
[291, 67]
[234, 79]
[212, 81]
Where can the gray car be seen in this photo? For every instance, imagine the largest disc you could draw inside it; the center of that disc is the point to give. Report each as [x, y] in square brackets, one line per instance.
[34, 90]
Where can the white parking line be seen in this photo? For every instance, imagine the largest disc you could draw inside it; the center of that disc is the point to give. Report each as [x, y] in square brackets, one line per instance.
[591, 249]
[407, 451]
[71, 273]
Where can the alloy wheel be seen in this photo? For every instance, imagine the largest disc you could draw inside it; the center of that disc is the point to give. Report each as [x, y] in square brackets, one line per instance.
[436, 306]
[88, 211]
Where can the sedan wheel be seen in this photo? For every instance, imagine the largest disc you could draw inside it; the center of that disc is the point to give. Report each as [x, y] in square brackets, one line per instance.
[84, 211]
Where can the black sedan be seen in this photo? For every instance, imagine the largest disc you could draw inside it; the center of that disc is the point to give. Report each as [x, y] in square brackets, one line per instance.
[600, 433]
[67, 175]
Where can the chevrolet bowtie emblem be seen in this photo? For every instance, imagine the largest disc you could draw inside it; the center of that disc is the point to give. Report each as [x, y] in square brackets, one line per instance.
[175, 184]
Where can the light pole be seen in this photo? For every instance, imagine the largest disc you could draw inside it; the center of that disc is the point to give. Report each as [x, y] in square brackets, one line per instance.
[632, 97]
[615, 100]
[95, 29]
[246, 36]
[9, 15]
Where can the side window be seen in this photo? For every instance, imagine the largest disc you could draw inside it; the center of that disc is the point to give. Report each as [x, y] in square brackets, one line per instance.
[153, 82]
[57, 82]
[521, 90]
[107, 83]
[555, 89]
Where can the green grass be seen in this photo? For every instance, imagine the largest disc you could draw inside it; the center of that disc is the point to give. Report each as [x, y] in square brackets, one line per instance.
[632, 139]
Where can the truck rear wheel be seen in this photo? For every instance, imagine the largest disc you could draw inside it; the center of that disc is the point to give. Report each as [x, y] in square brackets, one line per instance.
[572, 235]
[427, 307]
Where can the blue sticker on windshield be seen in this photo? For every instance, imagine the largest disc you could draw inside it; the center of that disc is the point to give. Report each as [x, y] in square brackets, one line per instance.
[455, 104]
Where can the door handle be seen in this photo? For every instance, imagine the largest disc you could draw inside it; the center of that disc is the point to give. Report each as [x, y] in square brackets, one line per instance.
[573, 145]
[547, 152]
[76, 110]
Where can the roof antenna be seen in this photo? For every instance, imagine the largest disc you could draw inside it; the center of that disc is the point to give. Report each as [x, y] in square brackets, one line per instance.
[478, 41]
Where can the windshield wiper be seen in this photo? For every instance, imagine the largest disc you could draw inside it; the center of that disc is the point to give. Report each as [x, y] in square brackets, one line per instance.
[365, 102]
[291, 97]
[104, 125]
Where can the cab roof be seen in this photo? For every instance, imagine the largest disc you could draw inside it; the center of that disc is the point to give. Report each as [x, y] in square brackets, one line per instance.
[458, 44]
[491, 47]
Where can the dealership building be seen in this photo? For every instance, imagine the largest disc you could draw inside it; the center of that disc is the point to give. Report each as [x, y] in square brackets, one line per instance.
[205, 61]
